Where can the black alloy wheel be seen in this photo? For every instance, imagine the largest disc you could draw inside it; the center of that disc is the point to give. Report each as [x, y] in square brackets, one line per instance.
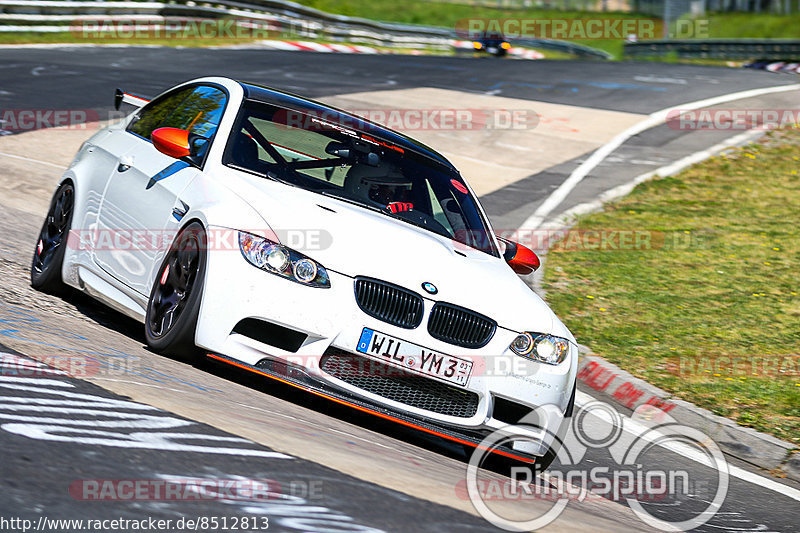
[174, 303]
[52, 241]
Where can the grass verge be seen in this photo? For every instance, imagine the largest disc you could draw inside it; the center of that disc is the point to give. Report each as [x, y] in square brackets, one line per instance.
[708, 306]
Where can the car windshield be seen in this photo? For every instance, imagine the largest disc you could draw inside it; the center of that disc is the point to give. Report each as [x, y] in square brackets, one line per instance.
[324, 156]
[492, 38]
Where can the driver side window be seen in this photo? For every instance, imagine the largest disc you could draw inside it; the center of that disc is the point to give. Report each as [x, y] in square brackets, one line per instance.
[197, 109]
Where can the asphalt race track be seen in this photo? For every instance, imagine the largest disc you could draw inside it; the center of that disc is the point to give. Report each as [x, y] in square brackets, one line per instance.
[326, 467]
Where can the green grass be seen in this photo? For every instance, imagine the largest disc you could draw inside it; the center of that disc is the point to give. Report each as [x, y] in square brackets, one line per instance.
[719, 281]
[749, 25]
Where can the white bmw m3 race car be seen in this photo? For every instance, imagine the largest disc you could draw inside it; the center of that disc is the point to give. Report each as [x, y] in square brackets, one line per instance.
[303, 243]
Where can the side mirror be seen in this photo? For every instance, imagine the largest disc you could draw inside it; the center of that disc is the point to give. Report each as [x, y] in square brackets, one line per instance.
[521, 259]
[173, 142]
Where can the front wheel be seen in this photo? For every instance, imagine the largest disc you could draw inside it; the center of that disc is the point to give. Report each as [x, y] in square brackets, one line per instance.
[48, 256]
[174, 303]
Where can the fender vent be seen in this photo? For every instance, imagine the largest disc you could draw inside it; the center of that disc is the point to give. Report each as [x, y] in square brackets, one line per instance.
[508, 411]
[272, 334]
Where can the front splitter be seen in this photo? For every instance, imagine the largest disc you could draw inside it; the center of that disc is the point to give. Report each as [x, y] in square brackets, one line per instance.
[297, 378]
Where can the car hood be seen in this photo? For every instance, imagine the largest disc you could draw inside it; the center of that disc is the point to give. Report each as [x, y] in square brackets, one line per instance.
[355, 241]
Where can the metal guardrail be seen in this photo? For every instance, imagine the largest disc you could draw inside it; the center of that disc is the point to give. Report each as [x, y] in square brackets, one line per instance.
[303, 20]
[564, 46]
[312, 23]
[717, 49]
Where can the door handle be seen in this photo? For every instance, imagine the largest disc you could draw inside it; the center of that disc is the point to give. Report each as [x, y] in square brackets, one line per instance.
[125, 162]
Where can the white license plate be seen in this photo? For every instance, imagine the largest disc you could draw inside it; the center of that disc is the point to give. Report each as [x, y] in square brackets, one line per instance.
[491, 50]
[409, 356]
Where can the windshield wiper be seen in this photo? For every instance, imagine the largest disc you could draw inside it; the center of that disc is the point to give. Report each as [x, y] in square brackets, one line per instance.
[269, 175]
[351, 201]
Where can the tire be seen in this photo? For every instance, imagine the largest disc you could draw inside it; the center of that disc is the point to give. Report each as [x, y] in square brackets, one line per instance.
[48, 256]
[174, 303]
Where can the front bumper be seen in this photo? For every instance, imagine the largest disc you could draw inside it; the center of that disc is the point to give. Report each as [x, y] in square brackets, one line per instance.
[331, 322]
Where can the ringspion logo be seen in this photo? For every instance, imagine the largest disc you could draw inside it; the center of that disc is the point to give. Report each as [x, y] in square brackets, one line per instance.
[646, 486]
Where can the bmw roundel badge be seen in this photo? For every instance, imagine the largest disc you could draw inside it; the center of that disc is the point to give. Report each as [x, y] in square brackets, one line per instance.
[430, 288]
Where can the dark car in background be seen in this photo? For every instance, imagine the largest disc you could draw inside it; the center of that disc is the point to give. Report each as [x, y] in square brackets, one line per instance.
[491, 43]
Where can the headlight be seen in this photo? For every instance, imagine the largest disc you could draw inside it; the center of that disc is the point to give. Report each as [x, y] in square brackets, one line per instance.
[305, 270]
[523, 344]
[543, 348]
[282, 261]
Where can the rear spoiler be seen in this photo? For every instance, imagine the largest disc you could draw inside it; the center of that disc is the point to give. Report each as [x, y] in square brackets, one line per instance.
[121, 96]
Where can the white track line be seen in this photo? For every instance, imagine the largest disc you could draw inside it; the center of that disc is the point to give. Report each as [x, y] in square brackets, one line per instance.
[637, 429]
[12, 156]
[654, 119]
[667, 170]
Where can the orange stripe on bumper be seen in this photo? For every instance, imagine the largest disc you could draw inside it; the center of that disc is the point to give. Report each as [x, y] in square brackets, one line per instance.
[367, 410]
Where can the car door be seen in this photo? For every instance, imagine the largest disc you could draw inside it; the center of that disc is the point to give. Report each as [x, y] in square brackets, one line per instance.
[141, 207]
[97, 165]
